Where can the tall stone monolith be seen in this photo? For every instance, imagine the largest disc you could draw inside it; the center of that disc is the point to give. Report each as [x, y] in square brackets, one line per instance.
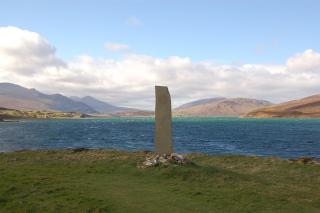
[163, 119]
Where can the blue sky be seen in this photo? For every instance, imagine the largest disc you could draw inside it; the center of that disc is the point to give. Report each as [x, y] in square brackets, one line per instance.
[222, 31]
[117, 51]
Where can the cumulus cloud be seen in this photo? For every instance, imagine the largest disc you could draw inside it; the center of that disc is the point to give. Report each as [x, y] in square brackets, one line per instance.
[25, 52]
[130, 81]
[309, 60]
[116, 47]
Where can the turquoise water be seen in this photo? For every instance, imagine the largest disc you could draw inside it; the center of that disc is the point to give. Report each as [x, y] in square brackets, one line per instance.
[286, 138]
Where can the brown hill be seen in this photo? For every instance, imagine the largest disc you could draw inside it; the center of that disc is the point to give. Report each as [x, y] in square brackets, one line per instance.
[17, 97]
[13, 96]
[221, 107]
[308, 107]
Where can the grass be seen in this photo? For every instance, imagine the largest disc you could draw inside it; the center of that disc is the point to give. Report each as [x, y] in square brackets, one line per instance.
[109, 181]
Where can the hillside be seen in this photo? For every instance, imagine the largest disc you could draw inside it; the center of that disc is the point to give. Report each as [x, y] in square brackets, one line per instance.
[308, 107]
[220, 107]
[199, 102]
[16, 97]
[101, 106]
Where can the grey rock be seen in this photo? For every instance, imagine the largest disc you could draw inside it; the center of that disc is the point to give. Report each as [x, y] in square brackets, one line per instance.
[164, 160]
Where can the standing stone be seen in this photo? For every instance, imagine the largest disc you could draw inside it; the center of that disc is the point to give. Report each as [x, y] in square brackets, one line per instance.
[163, 117]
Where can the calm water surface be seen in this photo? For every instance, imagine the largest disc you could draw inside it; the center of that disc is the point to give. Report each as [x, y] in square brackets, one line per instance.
[286, 138]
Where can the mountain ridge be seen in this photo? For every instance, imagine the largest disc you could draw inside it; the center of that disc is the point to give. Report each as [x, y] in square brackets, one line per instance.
[220, 107]
[198, 102]
[13, 96]
[307, 107]
[101, 106]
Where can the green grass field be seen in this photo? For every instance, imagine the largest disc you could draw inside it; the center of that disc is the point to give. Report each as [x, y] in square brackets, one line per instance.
[109, 181]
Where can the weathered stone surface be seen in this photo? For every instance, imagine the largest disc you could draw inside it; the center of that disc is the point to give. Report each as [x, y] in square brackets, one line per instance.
[163, 119]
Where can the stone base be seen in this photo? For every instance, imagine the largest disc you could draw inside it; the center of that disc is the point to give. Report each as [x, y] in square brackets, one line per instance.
[164, 160]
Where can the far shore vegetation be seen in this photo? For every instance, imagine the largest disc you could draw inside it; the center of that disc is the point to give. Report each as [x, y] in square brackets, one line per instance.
[19, 114]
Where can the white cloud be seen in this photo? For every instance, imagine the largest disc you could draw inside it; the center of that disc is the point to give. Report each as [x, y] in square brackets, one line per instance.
[29, 60]
[25, 52]
[116, 47]
[133, 21]
[309, 60]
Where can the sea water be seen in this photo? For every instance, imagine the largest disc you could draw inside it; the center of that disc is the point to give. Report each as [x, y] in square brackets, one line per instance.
[285, 138]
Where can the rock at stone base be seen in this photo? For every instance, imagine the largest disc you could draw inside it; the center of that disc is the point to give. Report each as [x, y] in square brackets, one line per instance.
[164, 160]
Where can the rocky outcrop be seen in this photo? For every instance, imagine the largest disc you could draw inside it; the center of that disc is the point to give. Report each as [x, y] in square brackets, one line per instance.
[164, 160]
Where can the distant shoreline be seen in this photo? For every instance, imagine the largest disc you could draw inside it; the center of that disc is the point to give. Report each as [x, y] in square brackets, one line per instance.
[152, 117]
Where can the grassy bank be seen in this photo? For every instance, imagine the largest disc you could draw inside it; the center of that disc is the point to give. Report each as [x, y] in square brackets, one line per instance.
[109, 181]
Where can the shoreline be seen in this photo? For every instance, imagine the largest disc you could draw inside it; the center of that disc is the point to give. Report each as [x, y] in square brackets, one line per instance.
[92, 117]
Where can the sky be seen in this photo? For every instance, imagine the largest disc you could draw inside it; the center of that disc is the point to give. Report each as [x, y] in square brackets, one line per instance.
[118, 50]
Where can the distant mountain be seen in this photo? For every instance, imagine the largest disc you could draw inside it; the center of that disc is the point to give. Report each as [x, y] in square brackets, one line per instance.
[199, 102]
[220, 107]
[13, 96]
[102, 107]
[308, 107]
